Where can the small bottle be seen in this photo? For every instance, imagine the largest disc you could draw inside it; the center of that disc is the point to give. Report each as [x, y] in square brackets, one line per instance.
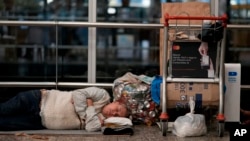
[191, 104]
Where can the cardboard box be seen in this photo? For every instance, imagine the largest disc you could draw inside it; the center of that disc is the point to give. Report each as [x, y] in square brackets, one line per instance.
[186, 9]
[181, 9]
[204, 94]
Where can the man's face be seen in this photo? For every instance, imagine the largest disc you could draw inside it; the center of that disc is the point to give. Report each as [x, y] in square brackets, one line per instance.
[114, 109]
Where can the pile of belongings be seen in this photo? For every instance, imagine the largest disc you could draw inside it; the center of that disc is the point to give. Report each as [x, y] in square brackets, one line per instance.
[136, 93]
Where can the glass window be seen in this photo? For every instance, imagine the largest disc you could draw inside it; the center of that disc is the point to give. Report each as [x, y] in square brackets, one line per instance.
[136, 11]
[121, 50]
[239, 11]
[72, 54]
[238, 42]
[43, 53]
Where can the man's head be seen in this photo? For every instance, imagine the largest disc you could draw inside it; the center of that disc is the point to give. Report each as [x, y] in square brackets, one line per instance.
[115, 109]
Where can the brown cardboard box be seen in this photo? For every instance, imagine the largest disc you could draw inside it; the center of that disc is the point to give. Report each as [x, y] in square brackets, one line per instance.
[204, 94]
[186, 9]
[175, 9]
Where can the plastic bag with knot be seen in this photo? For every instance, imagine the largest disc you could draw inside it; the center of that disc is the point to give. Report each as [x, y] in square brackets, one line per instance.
[190, 124]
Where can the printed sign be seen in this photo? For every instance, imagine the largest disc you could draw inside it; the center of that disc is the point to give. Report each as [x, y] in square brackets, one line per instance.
[189, 61]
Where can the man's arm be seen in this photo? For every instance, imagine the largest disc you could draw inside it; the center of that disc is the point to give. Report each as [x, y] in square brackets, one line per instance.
[80, 97]
[80, 102]
[93, 122]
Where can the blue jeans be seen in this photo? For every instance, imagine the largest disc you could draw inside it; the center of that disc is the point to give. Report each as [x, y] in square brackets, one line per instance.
[21, 112]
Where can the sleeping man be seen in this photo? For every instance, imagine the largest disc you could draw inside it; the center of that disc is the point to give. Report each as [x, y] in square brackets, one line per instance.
[83, 109]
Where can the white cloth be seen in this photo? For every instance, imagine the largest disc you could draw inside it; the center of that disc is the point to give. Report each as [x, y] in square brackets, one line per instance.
[122, 121]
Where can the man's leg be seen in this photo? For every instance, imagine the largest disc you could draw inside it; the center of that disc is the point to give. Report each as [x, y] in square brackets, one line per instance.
[23, 103]
[21, 112]
[20, 122]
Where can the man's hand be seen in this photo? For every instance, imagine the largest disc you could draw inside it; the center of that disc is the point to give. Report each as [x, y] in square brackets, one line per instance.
[203, 49]
[101, 120]
[89, 102]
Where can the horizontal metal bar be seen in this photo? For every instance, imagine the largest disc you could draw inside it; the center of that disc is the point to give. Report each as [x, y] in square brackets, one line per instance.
[80, 84]
[29, 84]
[229, 26]
[102, 24]
[74, 47]
[111, 25]
[42, 46]
[245, 86]
[77, 24]
[54, 84]
[28, 23]
[198, 80]
[74, 84]
[238, 26]
[89, 24]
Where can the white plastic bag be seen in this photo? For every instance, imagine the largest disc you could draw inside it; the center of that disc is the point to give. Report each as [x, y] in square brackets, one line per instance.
[190, 124]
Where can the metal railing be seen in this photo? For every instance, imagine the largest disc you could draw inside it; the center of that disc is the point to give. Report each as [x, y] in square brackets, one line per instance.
[80, 24]
[86, 24]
